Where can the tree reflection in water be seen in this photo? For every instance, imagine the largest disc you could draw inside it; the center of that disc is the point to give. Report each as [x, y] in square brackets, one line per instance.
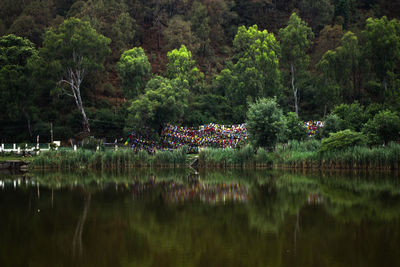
[77, 247]
[236, 218]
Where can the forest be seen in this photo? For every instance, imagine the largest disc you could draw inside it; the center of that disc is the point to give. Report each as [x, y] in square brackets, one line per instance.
[103, 68]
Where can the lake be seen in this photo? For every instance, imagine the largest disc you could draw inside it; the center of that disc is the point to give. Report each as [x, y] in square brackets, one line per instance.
[212, 218]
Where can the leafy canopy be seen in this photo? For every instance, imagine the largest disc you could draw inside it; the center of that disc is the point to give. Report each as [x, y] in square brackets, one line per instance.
[383, 128]
[75, 41]
[295, 39]
[133, 69]
[264, 122]
[257, 61]
[182, 66]
[342, 140]
[383, 47]
[294, 128]
[16, 90]
[164, 101]
[350, 116]
[255, 72]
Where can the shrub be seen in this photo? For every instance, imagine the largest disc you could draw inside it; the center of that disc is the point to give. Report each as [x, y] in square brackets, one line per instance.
[294, 128]
[264, 123]
[350, 116]
[383, 128]
[342, 140]
[332, 124]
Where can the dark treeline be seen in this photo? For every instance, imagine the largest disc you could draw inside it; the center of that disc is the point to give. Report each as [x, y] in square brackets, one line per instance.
[105, 67]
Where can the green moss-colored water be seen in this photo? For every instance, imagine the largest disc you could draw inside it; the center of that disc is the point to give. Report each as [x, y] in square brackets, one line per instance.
[211, 218]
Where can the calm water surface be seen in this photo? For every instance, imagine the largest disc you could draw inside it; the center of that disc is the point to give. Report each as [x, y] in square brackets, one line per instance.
[178, 218]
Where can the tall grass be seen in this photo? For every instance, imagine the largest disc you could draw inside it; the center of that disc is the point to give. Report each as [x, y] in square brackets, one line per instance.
[292, 155]
[244, 157]
[358, 157]
[176, 158]
[100, 160]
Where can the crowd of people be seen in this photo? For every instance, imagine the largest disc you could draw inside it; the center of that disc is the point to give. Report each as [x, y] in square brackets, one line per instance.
[175, 137]
[313, 127]
[208, 135]
[194, 138]
[138, 142]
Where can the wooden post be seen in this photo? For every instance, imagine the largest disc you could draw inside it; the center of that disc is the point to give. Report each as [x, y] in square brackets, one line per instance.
[18, 150]
[116, 147]
[74, 147]
[14, 146]
[2, 147]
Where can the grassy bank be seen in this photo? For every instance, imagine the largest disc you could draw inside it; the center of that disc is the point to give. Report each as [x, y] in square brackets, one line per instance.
[307, 155]
[244, 157]
[7, 157]
[101, 160]
[299, 155]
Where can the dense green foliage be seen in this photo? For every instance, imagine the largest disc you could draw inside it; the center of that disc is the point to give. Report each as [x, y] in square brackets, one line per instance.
[74, 50]
[99, 160]
[383, 128]
[294, 128]
[164, 100]
[142, 64]
[133, 69]
[17, 94]
[244, 157]
[264, 123]
[358, 157]
[295, 41]
[342, 140]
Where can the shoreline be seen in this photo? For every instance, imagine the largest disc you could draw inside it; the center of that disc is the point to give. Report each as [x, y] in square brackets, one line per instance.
[354, 158]
[24, 166]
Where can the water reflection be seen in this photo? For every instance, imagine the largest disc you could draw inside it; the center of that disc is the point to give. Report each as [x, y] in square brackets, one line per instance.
[77, 247]
[177, 189]
[177, 218]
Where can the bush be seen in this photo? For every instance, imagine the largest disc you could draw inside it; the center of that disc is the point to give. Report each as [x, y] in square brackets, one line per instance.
[383, 128]
[294, 128]
[332, 124]
[342, 140]
[350, 116]
[264, 123]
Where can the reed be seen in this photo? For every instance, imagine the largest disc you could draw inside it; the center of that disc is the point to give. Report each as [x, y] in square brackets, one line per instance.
[293, 155]
[244, 157]
[100, 160]
[358, 157]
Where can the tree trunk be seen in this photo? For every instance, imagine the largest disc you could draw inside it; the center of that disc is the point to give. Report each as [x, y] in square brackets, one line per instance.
[385, 84]
[295, 89]
[28, 122]
[85, 121]
[74, 79]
